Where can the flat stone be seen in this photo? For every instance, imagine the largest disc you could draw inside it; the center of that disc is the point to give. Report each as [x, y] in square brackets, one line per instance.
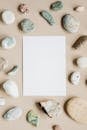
[79, 8]
[11, 88]
[13, 114]
[51, 108]
[26, 25]
[48, 17]
[13, 71]
[8, 17]
[58, 5]
[70, 23]
[82, 62]
[32, 118]
[8, 42]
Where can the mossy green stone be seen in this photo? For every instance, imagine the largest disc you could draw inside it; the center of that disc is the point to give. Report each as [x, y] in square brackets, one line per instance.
[33, 118]
[58, 5]
[48, 17]
[26, 25]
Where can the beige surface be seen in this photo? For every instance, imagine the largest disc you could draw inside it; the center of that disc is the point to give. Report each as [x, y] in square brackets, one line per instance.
[15, 57]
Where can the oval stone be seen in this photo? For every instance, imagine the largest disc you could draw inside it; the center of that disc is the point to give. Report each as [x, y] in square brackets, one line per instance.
[70, 23]
[58, 5]
[82, 62]
[8, 42]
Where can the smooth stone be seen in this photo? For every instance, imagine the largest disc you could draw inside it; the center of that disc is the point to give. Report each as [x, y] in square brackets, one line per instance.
[13, 114]
[8, 17]
[13, 71]
[70, 23]
[48, 17]
[79, 8]
[82, 62]
[2, 101]
[26, 25]
[56, 127]
[3, 64]
[51, 107]
[58, 5]
[32, 118]
[23, 8]
[81, 41]
[8, 42]
[11, 88]
[75, 78]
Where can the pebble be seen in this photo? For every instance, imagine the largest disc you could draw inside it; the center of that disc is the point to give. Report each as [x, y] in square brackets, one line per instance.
[23, 8]
[82, 62]
[75, 78]
[26, 25]
[70, 23]
[8, 17]
[3, 64]
[58, 5]
[32, 118]
[8, 42]
[51, 107]
[2, 101]
[48, 17]
[79, 8]
[11, 88]
[76, 108]
[56, 127]
[13, 71]
[13, 114]
[81, 41]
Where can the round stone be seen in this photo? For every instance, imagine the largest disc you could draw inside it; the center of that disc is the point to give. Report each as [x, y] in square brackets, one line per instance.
[70, 23]
[23, 8]
[26, 25]
[8, 42]
[8, 17]
[82, 62]
[75, 78]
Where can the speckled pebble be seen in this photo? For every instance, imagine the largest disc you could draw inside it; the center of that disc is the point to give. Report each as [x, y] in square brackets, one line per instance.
[26, 25]
[75, 78]
[58, 5]
[23, 8]
[70, 23]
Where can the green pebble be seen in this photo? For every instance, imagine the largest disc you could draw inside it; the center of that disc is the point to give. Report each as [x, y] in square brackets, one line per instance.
[26, 25]
[33, 118]
[58, 5]
[48, 17]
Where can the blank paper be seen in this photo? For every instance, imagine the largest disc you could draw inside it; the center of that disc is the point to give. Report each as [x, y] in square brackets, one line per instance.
[44, 67]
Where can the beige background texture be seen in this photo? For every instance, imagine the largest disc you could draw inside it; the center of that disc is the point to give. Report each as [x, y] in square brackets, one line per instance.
[14, 57]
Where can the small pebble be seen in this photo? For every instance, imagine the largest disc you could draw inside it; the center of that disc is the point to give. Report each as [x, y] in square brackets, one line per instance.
[32, 118]
[11, 88]
[8, 42]
[26, 25]
[82, 62]
[58, 5]
[70, 23]
[51, 107]
[8, 17]
[48, 17]
[56, 127]
[75, 78]
[81, 41]
[13, 71]
[13, 114]
[79, 8]
[2, 101]
[3, 64]
[23, 8]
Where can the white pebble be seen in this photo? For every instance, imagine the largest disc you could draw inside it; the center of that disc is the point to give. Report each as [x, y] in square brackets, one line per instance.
[75, 78]
[82, 62]
[8, 17]
[2, 101]
[79, 8]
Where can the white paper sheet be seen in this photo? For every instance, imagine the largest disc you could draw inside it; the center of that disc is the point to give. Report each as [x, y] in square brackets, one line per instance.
[44, 69]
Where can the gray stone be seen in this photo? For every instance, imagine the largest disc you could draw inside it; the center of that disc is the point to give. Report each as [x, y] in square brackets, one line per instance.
[58, 5]
[13, 114]
[33, 118]
[26, 25]
[48, 17]
[70, 23]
